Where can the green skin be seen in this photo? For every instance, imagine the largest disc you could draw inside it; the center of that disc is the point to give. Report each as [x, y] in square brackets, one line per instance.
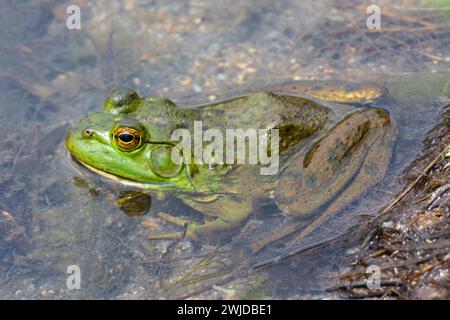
[323, 147]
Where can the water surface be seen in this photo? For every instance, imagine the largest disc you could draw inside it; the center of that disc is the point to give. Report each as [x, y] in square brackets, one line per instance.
[189, 51]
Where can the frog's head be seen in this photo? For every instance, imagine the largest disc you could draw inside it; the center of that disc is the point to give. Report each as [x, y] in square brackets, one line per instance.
[119, 142]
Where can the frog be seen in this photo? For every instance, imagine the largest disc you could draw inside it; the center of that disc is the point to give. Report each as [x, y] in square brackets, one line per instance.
[333, 146]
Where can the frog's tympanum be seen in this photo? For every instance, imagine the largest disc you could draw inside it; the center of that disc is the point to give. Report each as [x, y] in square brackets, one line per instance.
[329, 153]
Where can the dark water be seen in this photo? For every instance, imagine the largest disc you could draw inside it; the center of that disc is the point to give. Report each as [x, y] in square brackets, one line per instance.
[51, 76]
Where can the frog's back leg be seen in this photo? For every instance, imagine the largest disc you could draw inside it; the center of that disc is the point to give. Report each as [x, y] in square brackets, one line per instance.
[338, 168]
[297, 198]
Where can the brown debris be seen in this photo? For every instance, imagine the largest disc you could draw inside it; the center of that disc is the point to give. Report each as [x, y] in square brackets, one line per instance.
[410, 239]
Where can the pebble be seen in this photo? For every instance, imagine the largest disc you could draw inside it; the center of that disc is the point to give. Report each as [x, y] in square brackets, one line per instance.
[185, 81]
[197, 88]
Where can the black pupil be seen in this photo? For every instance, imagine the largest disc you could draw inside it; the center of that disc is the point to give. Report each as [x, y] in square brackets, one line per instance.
[126, 137]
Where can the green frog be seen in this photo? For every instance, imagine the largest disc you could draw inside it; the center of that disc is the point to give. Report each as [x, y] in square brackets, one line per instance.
[330, 152]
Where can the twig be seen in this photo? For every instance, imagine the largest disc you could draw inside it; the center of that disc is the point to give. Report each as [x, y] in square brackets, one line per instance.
[412, 184]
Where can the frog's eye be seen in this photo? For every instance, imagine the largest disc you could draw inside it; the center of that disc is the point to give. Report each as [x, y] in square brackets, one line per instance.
[127, 139]
[121, 100]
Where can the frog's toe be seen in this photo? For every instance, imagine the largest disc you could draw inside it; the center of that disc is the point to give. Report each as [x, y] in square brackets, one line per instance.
[164, 236]
[174, 235]
[173, 220]
[190, 233]
[213, 231]
[192, 230]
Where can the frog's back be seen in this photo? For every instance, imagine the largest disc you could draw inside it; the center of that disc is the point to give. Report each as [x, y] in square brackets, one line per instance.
[295, 117]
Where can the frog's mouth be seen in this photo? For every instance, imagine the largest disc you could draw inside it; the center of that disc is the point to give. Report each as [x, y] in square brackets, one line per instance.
[78, 165]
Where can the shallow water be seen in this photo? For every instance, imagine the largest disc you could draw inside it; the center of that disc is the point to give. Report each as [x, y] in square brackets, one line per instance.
[52, 218]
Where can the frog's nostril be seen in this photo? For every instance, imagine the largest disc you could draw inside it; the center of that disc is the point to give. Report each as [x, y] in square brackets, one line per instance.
[88, 133]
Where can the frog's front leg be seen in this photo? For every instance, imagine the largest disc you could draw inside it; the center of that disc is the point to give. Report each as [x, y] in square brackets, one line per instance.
[227, 212]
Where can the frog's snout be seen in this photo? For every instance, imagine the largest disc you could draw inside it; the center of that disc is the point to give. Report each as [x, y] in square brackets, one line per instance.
[76, 138]
[69, 139]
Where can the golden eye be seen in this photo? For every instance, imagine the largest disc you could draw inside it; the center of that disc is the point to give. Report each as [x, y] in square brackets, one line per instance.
[127, 139]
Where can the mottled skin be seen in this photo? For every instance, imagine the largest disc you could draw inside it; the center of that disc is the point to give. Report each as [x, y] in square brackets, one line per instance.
[329, 154]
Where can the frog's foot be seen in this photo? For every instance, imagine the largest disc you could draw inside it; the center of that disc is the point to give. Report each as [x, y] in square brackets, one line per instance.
[351, 93]
[194, 231]
[223, 214]
[173, 220]
[210, 231]
[348, 92]
[165, 236]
